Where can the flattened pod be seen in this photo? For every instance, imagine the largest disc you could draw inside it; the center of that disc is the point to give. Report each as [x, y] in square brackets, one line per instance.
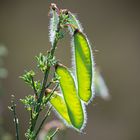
[59, 105]
[54, 20]
[71, 98]
[74, 21]
[84, 66]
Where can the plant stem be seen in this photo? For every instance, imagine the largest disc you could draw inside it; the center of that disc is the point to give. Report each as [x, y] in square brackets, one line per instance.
[33, 85]
[48, 84]
[31, 114]
[15, 118]
[54, 133]
[50, 95]
[46, 115]
[37, 110]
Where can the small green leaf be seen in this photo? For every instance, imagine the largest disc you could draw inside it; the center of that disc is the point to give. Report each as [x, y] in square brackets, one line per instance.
[84, 66]
[27, 77]
[41, 62]
[73, 103]
[29, 102]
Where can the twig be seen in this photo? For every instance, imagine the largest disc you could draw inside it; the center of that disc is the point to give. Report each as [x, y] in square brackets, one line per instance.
[31, 114]
[54, 133]
[50, 95]
[46, 115]
[33, 85]
[13, 109]
[37, 109]
[48, 84]
[44, 83]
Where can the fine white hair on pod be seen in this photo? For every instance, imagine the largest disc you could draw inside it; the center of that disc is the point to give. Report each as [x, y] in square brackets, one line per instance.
[93, 72]
[59, 116]
[74, 24]
[54, 20]
[85, 117]
[77, 23]
[74, 67]
[73, 63]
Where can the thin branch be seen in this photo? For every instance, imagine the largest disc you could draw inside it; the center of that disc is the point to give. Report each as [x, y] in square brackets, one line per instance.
[33, 85]
[43, 84]
[37, 109]
[48, 112]
[50, 95]
[46, 116]
[13, 109]
[48, 85]
[31, 114]
[54, 133]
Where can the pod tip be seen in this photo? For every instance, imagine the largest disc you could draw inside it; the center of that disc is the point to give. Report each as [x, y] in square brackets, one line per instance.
[59, 65]
[76, 31]
[53, 6]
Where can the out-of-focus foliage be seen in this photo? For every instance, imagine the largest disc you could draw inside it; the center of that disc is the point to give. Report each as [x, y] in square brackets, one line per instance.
[3, 71]
[3, 74]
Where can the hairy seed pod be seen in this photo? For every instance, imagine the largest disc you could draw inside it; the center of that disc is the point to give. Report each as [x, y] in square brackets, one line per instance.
[59, 105]
[54, 20]
[74, 22]
[73, 103]
[83, 66]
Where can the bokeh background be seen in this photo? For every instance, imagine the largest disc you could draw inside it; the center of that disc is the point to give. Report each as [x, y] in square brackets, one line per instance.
[113, 28]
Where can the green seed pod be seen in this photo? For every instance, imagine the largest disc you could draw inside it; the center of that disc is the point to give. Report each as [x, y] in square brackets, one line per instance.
[73, 103]
[59, 105]
[83, 66]
[54, 20]
[74, 22]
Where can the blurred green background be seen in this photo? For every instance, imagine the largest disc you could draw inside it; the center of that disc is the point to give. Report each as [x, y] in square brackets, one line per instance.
[113, 28]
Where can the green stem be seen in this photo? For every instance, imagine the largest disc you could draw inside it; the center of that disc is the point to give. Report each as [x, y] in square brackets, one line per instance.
[50, 95]
[46, 115]
[15, 119]
[33, 85]
[37, 110]
[54, 133]
[48, 85]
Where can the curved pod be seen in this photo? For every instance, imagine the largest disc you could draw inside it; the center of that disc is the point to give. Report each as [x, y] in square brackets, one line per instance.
[84, 66]
[73, 103]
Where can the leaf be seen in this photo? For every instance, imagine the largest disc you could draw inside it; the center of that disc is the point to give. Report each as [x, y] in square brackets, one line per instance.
[84, 66]
[73, 103]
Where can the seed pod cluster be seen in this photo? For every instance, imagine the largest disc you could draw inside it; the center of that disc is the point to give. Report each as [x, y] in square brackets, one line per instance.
[76, 90]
